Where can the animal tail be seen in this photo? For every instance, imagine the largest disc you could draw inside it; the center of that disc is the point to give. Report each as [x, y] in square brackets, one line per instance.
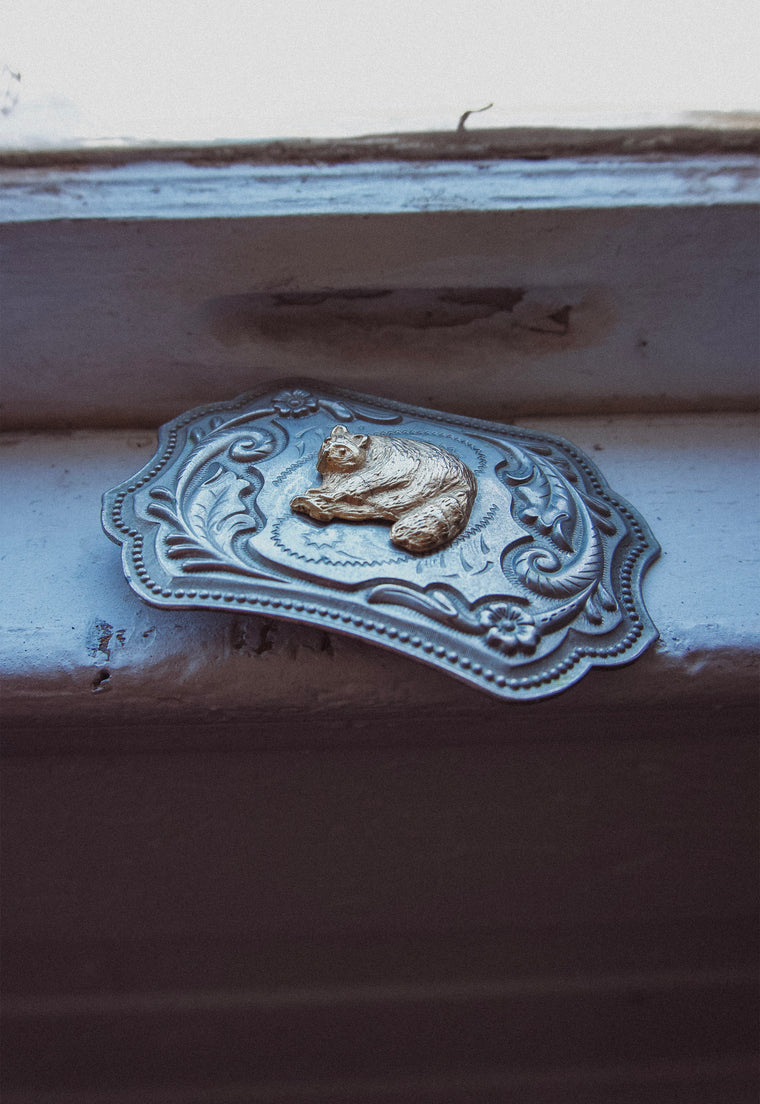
[433, 524]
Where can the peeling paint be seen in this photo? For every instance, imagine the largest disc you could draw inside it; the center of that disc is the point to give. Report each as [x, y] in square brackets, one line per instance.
[99, 639]
[253, 636]
[100, 636]
[198, 303]
[336, 315]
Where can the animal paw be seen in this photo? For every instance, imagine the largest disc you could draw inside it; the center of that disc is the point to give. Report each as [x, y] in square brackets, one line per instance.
[302, 504]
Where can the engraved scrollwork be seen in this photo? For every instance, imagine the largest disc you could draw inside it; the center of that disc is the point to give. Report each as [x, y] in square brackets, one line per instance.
[201, 533]
[520, 596]
[546, 500]
[433, 602]
[297, 402]
[212, 512]
[256, 446]
[563, 569]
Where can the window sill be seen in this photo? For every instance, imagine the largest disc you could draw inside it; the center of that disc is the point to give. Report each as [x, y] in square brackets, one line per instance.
[333, 818]
[83, 655]
[550, 288]
[221, 827]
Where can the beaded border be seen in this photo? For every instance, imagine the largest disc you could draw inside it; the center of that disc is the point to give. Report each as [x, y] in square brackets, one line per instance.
[643, 551]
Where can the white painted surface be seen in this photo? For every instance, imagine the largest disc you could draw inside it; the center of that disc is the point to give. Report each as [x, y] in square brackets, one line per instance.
[150, 190]
[109, 322]
[69, 615]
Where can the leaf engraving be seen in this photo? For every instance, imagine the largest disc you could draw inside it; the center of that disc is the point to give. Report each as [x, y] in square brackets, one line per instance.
[217, 512]
[543, 571]
[545, 501]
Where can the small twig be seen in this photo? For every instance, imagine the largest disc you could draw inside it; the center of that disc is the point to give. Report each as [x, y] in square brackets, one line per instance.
[463, 118]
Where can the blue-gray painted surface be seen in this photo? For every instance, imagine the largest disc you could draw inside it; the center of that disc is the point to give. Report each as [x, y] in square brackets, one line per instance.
[170, 190]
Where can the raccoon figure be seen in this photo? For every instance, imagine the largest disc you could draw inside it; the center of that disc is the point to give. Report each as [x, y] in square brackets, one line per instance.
[422, 489]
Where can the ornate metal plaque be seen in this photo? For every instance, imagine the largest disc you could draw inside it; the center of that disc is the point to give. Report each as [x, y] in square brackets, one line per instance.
[496, 553]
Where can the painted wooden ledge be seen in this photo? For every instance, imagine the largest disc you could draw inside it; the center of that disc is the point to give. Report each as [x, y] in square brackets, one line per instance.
[244, 861]
[86, 664]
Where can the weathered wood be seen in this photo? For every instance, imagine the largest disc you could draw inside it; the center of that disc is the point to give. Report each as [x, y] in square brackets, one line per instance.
[489, 314]
[155, 189]
[709, 134]
[228, 876]
[83, 654]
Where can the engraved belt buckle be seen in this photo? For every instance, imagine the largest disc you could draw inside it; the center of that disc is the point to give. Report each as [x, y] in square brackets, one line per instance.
[496, 553]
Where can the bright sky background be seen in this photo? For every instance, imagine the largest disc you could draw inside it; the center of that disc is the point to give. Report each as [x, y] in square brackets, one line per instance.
[186, 69]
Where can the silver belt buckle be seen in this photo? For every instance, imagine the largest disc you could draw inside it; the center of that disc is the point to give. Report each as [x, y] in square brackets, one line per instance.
[496, 553]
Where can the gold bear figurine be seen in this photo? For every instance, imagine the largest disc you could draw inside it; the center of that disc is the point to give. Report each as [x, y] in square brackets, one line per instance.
[424, 490]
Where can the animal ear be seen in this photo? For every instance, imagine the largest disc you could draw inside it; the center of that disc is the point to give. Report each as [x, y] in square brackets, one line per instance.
[362, 440]
[339, 431]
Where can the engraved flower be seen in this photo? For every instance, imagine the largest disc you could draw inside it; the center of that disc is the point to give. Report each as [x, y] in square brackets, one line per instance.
[295, 403]
[510, 629]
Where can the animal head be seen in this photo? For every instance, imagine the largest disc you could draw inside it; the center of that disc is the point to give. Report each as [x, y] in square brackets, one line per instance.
[342, 451]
